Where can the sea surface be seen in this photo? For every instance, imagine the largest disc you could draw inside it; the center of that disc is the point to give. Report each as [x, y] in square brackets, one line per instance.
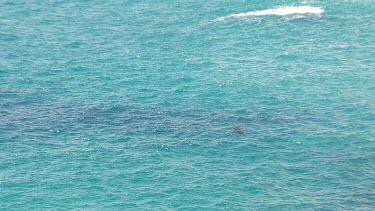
[187, 105]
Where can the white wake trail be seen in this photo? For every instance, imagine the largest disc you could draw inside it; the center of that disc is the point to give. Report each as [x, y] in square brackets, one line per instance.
[280, 11]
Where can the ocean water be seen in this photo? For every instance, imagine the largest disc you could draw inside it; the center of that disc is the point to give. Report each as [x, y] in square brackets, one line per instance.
[187, 105]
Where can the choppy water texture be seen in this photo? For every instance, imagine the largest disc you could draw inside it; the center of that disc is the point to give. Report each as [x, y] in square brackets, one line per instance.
[196, 105]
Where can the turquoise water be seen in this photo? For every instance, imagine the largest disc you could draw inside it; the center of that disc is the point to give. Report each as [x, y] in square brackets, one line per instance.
[164, 105]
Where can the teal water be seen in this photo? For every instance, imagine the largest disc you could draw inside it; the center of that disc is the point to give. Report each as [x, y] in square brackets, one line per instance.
[165, 105]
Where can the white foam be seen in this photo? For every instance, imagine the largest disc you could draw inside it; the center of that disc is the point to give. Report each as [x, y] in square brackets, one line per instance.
[281, 11]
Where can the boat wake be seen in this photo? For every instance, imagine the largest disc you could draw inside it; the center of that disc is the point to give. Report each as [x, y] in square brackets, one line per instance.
[280, 11]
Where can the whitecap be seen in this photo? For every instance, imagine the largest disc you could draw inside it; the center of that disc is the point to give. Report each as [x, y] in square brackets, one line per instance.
[280, 11]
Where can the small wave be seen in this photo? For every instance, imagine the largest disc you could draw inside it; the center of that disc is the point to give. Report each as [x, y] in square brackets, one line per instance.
[280, 11]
